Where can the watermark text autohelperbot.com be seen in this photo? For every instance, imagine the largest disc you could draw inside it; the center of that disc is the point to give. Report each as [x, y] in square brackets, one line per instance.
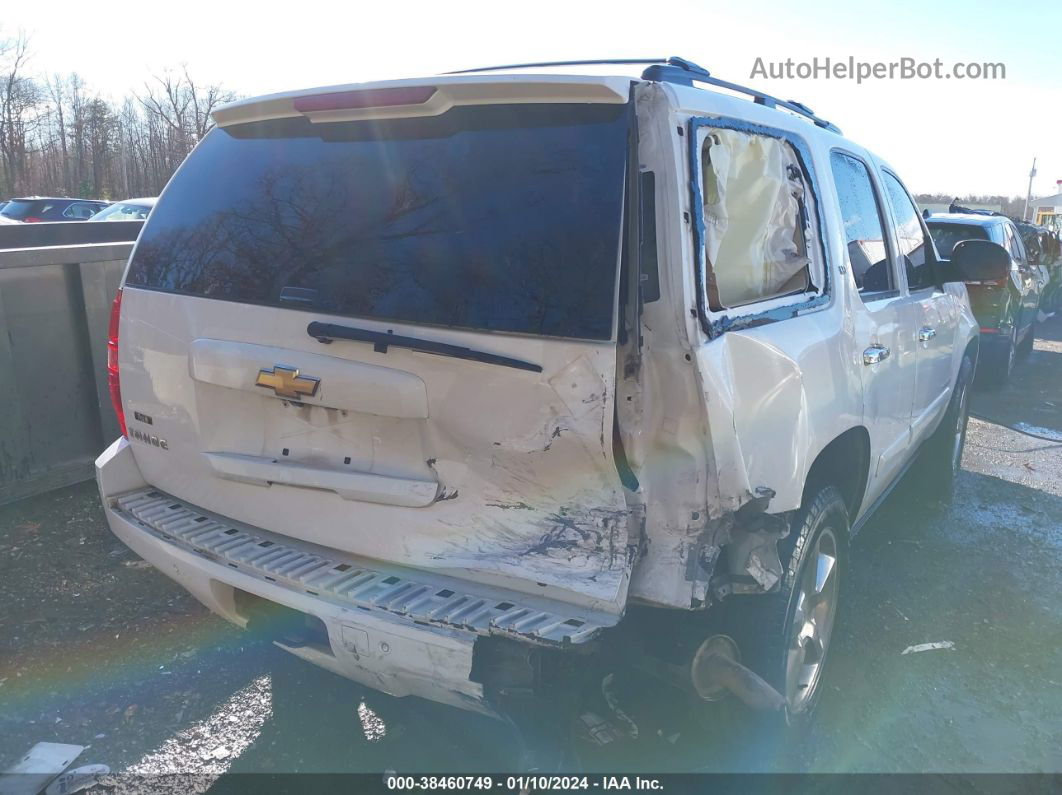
[851, 68]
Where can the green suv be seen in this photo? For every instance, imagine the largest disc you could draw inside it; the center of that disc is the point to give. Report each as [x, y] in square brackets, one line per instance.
[1005, 309]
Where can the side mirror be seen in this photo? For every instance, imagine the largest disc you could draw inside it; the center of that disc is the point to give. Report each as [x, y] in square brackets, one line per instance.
[977, 261]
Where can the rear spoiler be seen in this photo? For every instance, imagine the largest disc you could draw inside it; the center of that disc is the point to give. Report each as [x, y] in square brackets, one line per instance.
[423, 97]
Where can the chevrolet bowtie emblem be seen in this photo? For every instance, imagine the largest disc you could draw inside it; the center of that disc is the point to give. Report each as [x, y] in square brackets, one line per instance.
[286, 382]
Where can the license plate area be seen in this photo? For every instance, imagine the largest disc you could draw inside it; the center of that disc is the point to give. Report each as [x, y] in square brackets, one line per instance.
[277, 623]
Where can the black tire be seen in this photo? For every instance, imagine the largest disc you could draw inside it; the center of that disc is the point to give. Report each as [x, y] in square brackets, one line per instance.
[764, 626]
[997, 361]
[1026, 345]
[942, 454]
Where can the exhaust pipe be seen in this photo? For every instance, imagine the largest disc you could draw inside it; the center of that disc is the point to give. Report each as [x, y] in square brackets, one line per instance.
[714, 670]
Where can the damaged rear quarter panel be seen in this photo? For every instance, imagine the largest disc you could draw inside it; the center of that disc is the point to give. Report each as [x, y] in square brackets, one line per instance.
[769, 396]
[771, 406]
[774, 401]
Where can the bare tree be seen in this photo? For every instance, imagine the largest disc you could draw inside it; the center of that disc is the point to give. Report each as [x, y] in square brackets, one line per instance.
[178, 112]
[1009, 205]
[58, 93]
[59, 137]
[20, 103]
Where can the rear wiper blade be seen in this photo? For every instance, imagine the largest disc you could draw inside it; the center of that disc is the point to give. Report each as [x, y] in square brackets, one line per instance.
[381, 341]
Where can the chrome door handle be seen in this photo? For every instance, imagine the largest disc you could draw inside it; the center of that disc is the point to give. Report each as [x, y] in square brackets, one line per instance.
[875, 354]
[925, 334]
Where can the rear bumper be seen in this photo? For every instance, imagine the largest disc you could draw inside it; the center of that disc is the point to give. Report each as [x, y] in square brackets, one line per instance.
[396, 631]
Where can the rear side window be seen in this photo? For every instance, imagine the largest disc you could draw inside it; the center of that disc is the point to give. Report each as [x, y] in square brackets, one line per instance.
[909, 235]
[80, 211]
[863, 228]
[947, 235]
[756, 219]
[499, 217]
[1014, 245]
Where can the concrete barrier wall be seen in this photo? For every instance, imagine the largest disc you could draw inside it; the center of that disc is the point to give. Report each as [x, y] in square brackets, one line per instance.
[57, 282]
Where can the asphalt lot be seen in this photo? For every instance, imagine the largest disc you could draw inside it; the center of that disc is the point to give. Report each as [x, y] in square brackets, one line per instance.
[98, 649]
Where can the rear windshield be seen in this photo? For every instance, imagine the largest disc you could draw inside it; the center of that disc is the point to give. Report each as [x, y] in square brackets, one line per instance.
[501, 217]
[947, 235]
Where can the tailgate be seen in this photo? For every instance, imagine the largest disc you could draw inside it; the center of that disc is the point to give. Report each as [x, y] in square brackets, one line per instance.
[457, 416]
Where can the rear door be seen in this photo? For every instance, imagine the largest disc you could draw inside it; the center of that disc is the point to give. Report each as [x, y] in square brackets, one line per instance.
[395, 338]
[887, 356]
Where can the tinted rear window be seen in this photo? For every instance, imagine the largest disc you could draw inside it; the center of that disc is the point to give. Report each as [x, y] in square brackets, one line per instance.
[503, 218]
[947, 235]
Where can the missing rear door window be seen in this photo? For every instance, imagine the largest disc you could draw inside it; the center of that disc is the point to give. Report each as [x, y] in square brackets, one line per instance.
[755, 205]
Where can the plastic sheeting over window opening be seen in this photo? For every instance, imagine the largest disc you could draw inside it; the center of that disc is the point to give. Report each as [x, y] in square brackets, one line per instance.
[755, 217]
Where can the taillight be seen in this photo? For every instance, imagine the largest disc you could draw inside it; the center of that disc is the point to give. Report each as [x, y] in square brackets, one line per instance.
[365, 98]
[32, 219]
[112, 362]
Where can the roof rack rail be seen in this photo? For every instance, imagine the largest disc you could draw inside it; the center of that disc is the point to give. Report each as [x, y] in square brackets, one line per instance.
[599, 62]
[675, 70]
[678, 70]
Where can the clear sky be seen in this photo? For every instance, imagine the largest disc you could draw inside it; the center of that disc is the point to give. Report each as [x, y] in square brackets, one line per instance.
[957, 136]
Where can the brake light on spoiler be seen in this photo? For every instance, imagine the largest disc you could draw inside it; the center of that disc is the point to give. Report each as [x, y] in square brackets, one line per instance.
[364, 98]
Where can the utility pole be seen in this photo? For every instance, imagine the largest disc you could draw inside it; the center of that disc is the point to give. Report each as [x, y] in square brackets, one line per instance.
[1028, 196]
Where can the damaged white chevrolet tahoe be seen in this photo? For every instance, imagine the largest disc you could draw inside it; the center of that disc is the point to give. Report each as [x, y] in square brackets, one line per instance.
[447, 382]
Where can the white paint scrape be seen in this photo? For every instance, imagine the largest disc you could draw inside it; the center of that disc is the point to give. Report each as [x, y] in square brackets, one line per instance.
[943, 644]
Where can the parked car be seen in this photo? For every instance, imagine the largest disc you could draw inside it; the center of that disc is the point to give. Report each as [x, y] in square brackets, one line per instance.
[1034, 240]
[1053, 259]
[1005, 308]
[127, 210]
[1040, 252]
[36, 208]
[453, 381]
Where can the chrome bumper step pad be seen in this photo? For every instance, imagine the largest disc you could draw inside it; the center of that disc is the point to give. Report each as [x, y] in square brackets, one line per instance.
[247, 549]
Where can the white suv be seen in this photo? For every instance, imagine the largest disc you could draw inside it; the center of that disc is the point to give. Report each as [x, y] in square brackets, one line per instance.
[430, 376]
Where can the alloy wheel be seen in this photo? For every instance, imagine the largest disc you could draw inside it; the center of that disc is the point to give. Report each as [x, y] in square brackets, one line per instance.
[811, 624]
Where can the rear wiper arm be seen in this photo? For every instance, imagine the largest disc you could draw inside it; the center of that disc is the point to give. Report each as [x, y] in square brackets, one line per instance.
[381, 341]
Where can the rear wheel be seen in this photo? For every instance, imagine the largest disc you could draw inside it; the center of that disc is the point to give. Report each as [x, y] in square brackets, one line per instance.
[1026, 345]
[998, 360]
[785, 636]
[942, 456]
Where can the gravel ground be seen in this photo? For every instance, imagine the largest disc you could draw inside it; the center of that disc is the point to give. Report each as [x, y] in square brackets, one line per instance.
[98, 649]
